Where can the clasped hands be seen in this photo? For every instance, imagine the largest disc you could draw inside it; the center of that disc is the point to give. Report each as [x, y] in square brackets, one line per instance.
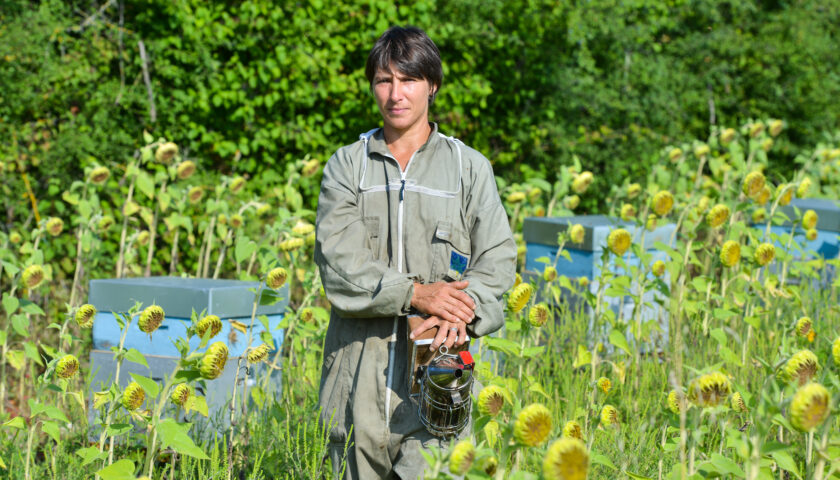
[449, 308]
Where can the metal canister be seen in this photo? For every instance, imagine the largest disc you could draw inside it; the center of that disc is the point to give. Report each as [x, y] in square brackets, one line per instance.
[445, 385]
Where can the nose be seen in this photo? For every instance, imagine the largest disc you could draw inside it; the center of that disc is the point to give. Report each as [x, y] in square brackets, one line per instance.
[396, 93]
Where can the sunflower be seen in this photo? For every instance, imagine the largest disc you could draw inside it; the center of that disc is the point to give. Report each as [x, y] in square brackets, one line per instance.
[675, 154]
[259, 354]
[730, 253]
[763, 196]
[517, 280]
[491, 399]
[810, 407]
[85, 315]
[54, 226]
[709, 390]
[310, 167]
[809, 219]
[236, 220]
[701, 150]
[775, 127]
[143, 238]
[99, 175]
[516, 197]
[462, 457]
[662, 203]
[566, 459]
[803, 326]
[572, 429]
[133, 396]
[801, 367]
[804, 186]
[534, 194]
[604, 384]
[166, 152]
[759, 215]
[576, 233]
[488, 465]
[727, 135]
[307, 315]
[737, 402]
[835, 351]
[214, 360]
[609, 416]
[675, 401]
[767, 144]
[581, 182]
[291, 244]
[276, 278]
[236, 184]
[32, 276]
[753, 184]
[181, 394]
[633, 190]
[619, 241]
[185, 169]
[303, 228]
[195, 194]
[571, 202]
[785, 194]
[151, 318]
[533, 425]
[519, 297]
[212, 323]
[811, 234]
[764, 254]
[105, 223]
[651, 222]
[718, 215]
[539, 314]
[755, 129]
[549, 274]
[658, 268]
[67, 366]
[628, 212]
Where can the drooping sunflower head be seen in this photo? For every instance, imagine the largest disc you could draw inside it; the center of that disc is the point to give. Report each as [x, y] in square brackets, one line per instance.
[709, 390]
[651, 222]
[291, 244]
[763, 196]
[809, 219]
[675, 401]
[517, 280]
[310, 167]
[85, 315]
[519, 297]
[33, 276]
[566, 459]
[737, 402]
[54, 226]
[571, 201]
[166, 152]
[236, 220]
[581, 182]
[516, 197]
[15, 238]
[775, 127]
[764, 254]
[276, 278]
[143, 238]
[195, 194]
[675, 154]
[759, 215]
[214, 360]
[211, 323]
[604, 384]
[576, 233]
[730, 253]
[181, 394]
[718, 215]
[534, 194]
[803, 326]
[727, 135]
[259, 354]
[803, 188]
[303, 228]
[549, 274]
[583, 282]
[491, 399]
[701, 150]
[572, 429]
[785, 194]
[67, 366]
[662, 203]
[755, 129]
[658, 268]
[105, 223]
[810, 407]
[99, 175]
[609, 417]
[307, 315]
[236, 184]
[753, 184]
[488, 465]
[151, 318]
[628, 212]
[633, 190]
[462, 457]
[539, 314]
[811, 234]
[133, 396]
[618, 241]
[533, 424]
[185, 169]
[801, 367]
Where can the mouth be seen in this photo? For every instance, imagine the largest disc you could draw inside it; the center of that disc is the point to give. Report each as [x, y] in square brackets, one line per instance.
[397, 111]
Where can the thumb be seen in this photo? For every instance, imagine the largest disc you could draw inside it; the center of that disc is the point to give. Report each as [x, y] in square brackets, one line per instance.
[460, 285]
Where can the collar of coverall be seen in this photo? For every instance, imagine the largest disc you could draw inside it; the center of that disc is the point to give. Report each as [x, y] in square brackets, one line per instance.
[377, 141]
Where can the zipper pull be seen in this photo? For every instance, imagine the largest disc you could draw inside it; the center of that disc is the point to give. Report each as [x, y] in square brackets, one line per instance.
[402, 190]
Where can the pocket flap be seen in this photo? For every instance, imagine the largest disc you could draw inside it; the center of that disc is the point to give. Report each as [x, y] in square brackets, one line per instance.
[445, 232]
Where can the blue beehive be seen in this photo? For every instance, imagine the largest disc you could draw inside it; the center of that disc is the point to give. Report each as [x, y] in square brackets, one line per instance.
[540, 234]
[230, 300]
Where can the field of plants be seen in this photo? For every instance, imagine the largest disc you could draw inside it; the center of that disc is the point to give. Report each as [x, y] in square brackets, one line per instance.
[742, 386]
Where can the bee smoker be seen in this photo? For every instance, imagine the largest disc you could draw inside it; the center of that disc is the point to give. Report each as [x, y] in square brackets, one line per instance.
[445, 385]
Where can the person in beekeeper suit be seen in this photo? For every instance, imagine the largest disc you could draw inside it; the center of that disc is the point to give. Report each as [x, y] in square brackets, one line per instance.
[409, 222]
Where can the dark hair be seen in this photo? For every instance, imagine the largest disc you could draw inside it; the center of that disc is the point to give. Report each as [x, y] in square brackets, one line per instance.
[411, 52]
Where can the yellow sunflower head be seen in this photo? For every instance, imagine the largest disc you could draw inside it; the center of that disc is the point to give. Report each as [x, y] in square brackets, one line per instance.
[517, 280]
[650, 224]
[803, 326]
[533, 424]
[619, 241]
[801, 367]
[489, 465]
[633, 190]
[759, 215]
[701, 150]
[539, 314]
[303, 228]
[236, 185]
[763, 196]
[658, 268]
[462, 457]
[85, 315]
[67, 366]
[765, 253]
[811, 234]
[609, 417]
[181, 394]
[259, 354]
[133, 396]
[676, 401]
[151, 318]
[310, 167]
[755, 129]
[276, 278]
[604, 384]
[519, 297]
[212, 323]
[549, 274]
[628, 212]
[195, 194]
[675, 154]
[33, 276]
[810, 407]
[236, 220]
[566, 459]
[581, 182]
[775, 127]
[576, 233]
[767, 144]
[516, 197]
[737, 402]
[571, 202]
[785, 194]
[185, 169]
[54, 226]
[835, 351]
[727, 135]
[753, 184]
[214, 360]
[166, 152]
[718, 215]
[491, 399]
[99, 175]
[730, 253]
[143, 238]
[709, 390]
[809, 219]
[803, 188]
[572, 429]
[662, 203]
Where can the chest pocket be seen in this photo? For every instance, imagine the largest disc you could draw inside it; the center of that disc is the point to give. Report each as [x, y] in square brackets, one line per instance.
[372, 227]
[451, 249]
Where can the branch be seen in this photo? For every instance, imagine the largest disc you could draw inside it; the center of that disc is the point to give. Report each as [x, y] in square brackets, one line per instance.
[148, 81]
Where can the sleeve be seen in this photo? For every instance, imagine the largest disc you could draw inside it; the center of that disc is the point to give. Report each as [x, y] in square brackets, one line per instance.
[356, 284]
[492, 269]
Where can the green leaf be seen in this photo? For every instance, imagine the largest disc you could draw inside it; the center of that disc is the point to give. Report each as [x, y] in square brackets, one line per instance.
[723, 314]
[508, 347]
[134, 355]
[583, 357]
[617, 339]
[31, 308]
[536, 387]
[726, 465]
[31, 351]
[51, 429]
[164, 200]
[270, 297]
[147, 137]
[199, 404]
[729, 356]
[174, 435]
[145, 184]
[531, 352]
[21, 325]
[90, 454]
[118, 429]
[15, 358]
[245, 247]
[719, 335]
[119, 470]
[636, 476]
[599, 459]
[786, 462]
[56, 414]
[150, 386]
[10, 303]
[15, 422]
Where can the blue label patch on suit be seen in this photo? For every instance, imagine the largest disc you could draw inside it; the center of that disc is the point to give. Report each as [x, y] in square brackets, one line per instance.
[457, 265]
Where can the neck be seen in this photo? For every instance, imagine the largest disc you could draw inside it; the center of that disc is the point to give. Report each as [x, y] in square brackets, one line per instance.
[409, 139]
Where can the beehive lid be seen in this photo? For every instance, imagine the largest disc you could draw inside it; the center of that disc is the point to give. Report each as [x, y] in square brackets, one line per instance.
[180, 296]
[828, 212]
[544, 230]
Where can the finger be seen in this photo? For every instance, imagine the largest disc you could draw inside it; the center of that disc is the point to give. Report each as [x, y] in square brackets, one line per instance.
[462, 334]
[427, 324]
[451, 335]
[442, 310]
[460, 310]
[440, 337]
[464, 298]
[460, 285]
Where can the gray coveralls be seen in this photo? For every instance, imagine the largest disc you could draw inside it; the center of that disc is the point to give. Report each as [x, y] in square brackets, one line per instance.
[379, 230]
